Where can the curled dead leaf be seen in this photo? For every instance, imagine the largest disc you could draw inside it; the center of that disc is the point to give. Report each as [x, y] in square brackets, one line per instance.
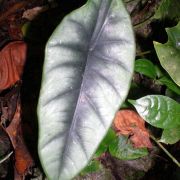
[128, 122]
[12, 60]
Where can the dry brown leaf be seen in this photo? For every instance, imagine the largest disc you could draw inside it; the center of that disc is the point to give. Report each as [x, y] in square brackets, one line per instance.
[23, 159]
[128, 122]
[30, 14]
[12, 60]
[8, 105]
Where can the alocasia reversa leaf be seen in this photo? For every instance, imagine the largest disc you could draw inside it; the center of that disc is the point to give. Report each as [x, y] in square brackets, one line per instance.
[86, 77]
[169, 53]
[159, 111]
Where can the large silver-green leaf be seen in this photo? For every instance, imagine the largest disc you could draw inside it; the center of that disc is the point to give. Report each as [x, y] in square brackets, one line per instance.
[169, 53]
[87, 71]
[159, 111]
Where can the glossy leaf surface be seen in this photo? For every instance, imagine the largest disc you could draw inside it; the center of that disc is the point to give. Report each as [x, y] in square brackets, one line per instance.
[171, 136]
[169, 53]
[159, 111]
[87, 72]
[145, 67]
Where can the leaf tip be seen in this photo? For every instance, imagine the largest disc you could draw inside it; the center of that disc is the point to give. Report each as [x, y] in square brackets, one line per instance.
[131, 101]
[156, 43]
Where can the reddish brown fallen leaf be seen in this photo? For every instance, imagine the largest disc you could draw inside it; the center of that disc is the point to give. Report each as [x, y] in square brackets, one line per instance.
[23, 159]
[8, 103]
[12, 60]
[128, 122]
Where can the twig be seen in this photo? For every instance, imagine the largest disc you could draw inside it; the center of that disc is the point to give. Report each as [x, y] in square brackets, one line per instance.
[143, 53]
[129, 1]
[165, 150]
[138, 8]
[6, 157]
[143, 22]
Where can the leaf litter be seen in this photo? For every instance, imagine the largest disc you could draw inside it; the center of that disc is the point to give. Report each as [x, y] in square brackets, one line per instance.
[128, 122]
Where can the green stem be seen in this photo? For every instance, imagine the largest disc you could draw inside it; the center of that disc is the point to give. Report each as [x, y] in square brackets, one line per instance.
[165, 150]
[6, 157]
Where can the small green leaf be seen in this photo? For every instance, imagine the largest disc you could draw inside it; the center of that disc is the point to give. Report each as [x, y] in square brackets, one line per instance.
[169, 53]
[93, 166]
[170, 84]
[25, 28]
[159, 111]
[122, 148]
[171, 136]
[110, 136]
[159, 72]
[168, 9]
[145, 67]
